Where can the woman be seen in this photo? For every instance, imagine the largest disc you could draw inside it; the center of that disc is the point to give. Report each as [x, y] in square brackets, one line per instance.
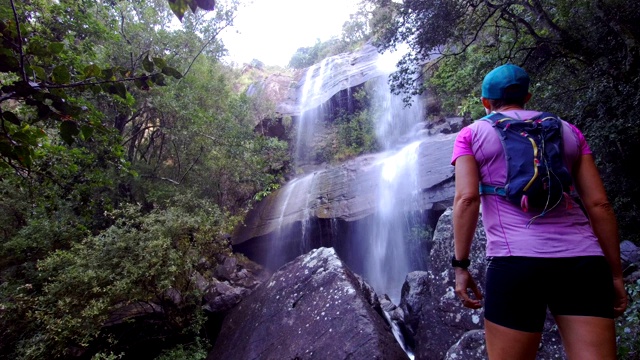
[564, 261]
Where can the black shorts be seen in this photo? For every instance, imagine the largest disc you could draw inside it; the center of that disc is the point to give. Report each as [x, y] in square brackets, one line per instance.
[519, 289]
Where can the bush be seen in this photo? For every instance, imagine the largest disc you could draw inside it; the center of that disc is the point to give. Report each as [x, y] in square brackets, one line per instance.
[138, 260]
[628, 326]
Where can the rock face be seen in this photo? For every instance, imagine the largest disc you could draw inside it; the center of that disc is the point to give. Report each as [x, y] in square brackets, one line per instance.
[347, 70]
[312, 308]
[348, 193]
[441, 327]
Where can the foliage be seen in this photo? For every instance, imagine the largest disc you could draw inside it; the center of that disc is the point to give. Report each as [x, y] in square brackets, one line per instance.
[48, 62]
[195, 351]
[355, 32]
[352, 132]
[137, 260]
[628, 325]
[582, 55]
[180, 7]
[114, 188]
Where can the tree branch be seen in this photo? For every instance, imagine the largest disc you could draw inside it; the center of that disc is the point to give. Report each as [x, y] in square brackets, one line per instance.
[82, 83]
[213, 37]
[22, 69]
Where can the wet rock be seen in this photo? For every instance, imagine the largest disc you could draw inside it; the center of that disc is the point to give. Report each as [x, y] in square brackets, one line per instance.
[313, 307]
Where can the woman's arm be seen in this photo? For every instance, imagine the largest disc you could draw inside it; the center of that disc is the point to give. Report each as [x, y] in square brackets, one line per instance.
[466, 206]
[603, 221]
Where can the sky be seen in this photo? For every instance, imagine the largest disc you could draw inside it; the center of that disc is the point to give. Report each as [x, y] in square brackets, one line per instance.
[272, 30]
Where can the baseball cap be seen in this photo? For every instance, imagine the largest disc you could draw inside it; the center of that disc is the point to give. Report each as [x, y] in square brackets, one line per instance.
[506, 76]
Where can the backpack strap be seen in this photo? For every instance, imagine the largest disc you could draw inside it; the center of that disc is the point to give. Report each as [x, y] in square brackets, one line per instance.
[492, 190]
[486, 189]
[495, 117]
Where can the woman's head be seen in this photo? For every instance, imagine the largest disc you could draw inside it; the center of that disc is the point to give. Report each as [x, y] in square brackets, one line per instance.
[506, 85]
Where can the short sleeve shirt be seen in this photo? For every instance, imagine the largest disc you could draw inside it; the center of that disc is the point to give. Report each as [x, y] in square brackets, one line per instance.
[563, 232]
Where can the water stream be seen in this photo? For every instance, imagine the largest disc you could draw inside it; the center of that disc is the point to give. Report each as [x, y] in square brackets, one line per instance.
[381, 240]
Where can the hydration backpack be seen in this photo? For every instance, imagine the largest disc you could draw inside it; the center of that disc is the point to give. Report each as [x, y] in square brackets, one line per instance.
[537, 178]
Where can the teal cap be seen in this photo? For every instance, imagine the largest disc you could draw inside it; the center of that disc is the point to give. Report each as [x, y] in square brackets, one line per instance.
[499, 79]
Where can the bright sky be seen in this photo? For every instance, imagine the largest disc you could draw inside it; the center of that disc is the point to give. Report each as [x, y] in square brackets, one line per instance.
[272, 30]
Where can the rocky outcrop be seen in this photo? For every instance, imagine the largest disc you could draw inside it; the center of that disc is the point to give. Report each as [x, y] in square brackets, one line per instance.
[348, 192]
[313, 307]
[441, 327]
[347, 70]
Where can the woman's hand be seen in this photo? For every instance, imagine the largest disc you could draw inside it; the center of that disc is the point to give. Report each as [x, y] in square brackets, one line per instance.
[464, 281]
[621, 300]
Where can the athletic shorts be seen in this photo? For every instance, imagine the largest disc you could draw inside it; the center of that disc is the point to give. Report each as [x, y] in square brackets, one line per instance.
[519, 290]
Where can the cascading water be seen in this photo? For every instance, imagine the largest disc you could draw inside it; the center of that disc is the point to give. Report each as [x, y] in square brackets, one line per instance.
[312, 111]
[384, 239]
[284, 245]
[379, 241]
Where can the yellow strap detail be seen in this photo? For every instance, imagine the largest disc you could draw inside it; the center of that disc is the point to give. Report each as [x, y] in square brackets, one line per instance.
[535, 166]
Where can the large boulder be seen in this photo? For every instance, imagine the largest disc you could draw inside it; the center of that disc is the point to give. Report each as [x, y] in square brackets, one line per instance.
[440, 326]
[312, 307]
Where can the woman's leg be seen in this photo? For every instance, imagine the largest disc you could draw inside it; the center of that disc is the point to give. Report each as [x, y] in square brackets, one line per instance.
[514, 307]
[508, 344]
[587, 337]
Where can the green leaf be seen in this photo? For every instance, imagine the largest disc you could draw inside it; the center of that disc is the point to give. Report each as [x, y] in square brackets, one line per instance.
[169, 71]
[25, 137]
[56, 47]
[147, 64]
[92, 70]
[11, 117]
[159, 62]
[118, 89]
[44, 111]
[23, 154]
[38, 72]
[158, 79]
[36, 48]
[143, 83]
[179, 7]
[68, 130]
[86, 131]
[61, 75]
[107, 74]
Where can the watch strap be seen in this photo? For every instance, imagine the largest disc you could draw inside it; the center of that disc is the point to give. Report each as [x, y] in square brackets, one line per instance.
[463, 264]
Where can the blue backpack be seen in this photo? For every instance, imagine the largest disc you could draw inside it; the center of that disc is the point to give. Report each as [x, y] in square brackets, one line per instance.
[537, 178]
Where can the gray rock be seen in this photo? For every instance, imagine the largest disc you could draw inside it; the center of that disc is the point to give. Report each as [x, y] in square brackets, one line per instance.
[313, 307]
[348, 193]
[434, 315]
[471, 346]
[630, 255]
[221, 296]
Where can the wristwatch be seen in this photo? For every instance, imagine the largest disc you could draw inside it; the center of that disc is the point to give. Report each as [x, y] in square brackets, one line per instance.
[463, 264]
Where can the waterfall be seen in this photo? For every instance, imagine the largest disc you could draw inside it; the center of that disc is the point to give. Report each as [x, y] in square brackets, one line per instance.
[312, 110]
[387, 252]
[380, 241]
[289, 238]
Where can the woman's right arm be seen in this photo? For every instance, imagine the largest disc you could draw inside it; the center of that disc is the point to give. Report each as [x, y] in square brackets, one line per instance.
[466, 207]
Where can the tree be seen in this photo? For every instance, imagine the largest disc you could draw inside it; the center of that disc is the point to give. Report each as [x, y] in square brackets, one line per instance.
[583, 57]
[125, 158]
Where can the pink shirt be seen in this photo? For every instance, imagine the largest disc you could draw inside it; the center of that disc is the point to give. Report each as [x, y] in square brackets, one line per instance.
[563, 232]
